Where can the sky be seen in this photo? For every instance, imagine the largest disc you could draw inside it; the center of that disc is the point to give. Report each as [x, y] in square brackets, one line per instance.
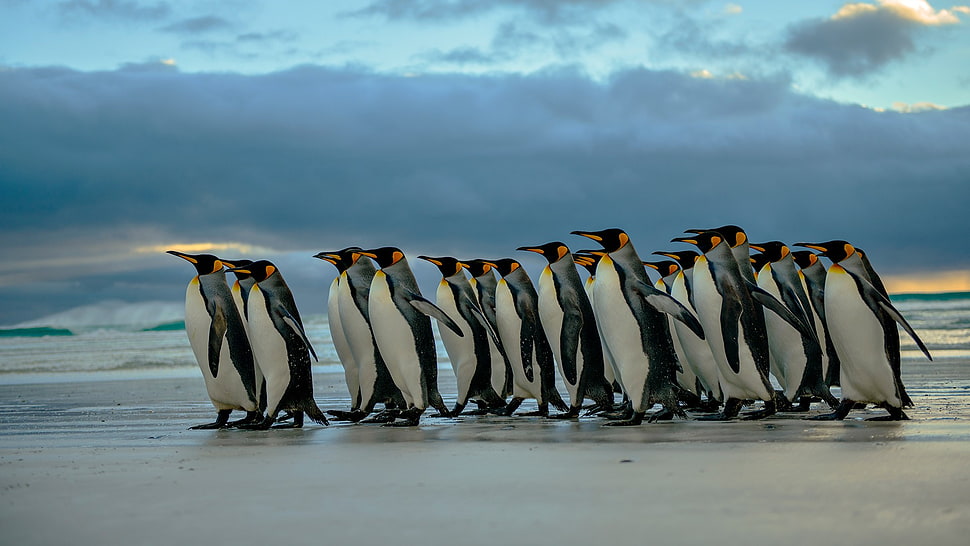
[258, 129]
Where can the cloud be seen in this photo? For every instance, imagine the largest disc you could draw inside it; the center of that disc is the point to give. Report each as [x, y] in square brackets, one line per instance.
[546, 11]
[197, 25]
[122, 10]
[94, 165]
[861, 38]
[733, 9]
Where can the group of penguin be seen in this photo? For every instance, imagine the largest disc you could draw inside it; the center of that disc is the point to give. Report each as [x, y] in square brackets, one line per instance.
[706, 337]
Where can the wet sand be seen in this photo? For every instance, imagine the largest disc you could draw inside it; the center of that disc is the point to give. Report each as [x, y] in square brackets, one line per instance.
[106, 462]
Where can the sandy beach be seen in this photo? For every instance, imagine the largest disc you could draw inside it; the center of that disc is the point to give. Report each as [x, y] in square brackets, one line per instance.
[112, 462]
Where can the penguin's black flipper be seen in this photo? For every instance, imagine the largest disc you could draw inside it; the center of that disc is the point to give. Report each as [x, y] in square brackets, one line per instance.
[572, 328]
[876, 301]
[296, 327]
[483, 320]
[434, 312]
[730, 331]
[663, 302]
[217, 333]
[771, 303]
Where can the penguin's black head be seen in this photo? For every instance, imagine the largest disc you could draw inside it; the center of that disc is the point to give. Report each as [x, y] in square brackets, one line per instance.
[504, 266]
[231, 264]
[772, 250]
[447, 265]
[612, 239]
[705, 240]
[477, 267]
[760, 260]
[685, 258]
[836, 250]
[385, 256]
[664, 267]
[259, 270]
[734, 235]
[341, 259]
[804, 258]
[553, 251]
[205, 264]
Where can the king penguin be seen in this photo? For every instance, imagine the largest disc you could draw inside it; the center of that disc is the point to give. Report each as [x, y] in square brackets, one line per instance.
[218, 339]
[690, 388]
[697, 350]
[728, 307]
[589, 259]
[519, 327]
[470, 353]
[342, 261]
[737, 239]
[798, 357]
[812, 273]
[860, 318]
[633, 319]
[281, 347]
[402, 330]
[484, 283]
[373, 378]
[570, 326]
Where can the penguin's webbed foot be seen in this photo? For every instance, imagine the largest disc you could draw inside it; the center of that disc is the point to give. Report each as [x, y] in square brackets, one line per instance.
[341, 415]
[573, 413]
[665, 414]
[297, 421]
[385, 416]
[251, 417]
[767, 411]
[622, 414]
[222, 421]
[265, 424]
[839, 414]
[719, 416]
[895, 414]
[211, 426]
[636, 419]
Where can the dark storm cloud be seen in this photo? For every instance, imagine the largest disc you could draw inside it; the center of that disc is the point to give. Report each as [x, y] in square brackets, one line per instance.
[118, 10]
[316, 159]
[197, 25]
[857, 45]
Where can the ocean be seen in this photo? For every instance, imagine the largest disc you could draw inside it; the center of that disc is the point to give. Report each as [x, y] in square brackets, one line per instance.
[118, 340]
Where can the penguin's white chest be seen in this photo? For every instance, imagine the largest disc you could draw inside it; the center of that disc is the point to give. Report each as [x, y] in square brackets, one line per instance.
[226, 390]
[395, 340]
[621, 331]
[269, 347]
[859, 340]
[551, 315]
[461, 350]
[510, 332]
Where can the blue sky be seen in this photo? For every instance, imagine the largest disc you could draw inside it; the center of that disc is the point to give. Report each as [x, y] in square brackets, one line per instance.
[470, 127]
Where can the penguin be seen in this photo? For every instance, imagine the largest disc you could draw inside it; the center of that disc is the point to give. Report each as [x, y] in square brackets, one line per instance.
[797, 357]
[698, 352]
[812, 273]
[240, 289]
[342, 261]
[281, 347]
[373, 378]
[589, 259]
[218, 340]
[470, 353]
[728, 307]
[484, 283]
[519, 327]
[690, 389]
[570, 326]
[860, 318]
[633, 319]
[737, 239]
[400, 321]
